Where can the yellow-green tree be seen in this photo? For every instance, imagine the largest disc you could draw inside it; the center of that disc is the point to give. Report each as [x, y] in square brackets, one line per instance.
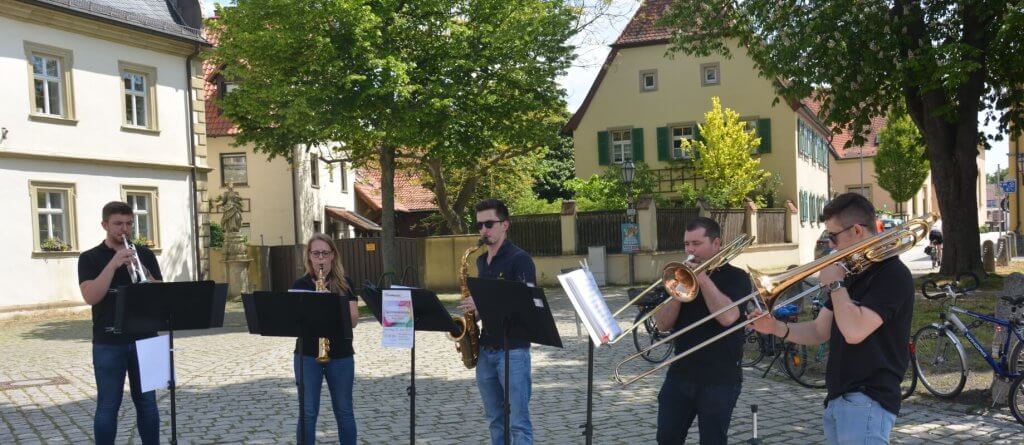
[725, 162]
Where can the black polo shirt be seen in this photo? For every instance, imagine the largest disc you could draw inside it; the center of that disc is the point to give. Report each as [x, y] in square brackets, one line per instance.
[340, 347]
[876, 365]
[90, 265]
[717, 363]
[510, 263]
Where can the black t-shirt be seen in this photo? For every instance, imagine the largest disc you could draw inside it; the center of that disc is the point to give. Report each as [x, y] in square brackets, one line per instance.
[340, 347]
[876, 365]
[719, 362]
[510, 263]
[90, 265]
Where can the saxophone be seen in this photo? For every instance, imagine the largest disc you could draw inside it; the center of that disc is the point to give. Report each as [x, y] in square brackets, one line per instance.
[324, 345]
[467, 334]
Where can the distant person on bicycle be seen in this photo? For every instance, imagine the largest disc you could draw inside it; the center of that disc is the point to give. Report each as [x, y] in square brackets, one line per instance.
[935, 239]
[705, 384]
[867, 325]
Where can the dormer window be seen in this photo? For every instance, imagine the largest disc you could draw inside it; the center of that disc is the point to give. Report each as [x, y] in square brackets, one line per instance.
[648, 81]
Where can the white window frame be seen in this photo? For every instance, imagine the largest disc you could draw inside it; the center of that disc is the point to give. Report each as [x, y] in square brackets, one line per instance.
[223, 176]
[679, 152]
[751, 126]
[705, 68]
[147, 95]
[343, 176]
[623, 147]
[64, 60]
[648, 74]
[66, 213]
[314, 171]
[152, 213]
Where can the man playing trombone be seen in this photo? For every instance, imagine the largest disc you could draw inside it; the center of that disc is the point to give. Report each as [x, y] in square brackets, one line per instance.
[705, 384]
[867, 324]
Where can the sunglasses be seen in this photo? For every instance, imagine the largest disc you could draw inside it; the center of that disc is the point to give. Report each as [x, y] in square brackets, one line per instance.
[834, 236]
[321, 253]
[487, 224]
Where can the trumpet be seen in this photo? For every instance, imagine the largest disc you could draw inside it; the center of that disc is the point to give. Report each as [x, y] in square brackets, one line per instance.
[685, 288]
[135, 269]
[854, 259]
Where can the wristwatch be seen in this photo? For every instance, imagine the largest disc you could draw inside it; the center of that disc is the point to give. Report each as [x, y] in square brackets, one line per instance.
[834, 286]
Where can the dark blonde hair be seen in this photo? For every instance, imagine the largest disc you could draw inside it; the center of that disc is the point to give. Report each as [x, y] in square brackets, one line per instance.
[336, 277]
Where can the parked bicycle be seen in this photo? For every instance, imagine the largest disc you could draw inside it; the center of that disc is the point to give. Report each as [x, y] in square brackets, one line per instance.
[644, 337]
[804, 364]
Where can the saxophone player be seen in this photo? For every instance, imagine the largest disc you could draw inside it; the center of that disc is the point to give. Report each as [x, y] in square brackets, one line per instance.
[100, 270]
[323, 264]
[505, 261]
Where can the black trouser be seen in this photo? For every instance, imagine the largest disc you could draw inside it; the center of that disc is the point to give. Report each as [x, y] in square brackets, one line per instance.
[680, 401]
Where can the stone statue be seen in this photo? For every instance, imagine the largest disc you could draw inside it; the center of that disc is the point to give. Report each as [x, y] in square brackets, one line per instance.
[230, 203]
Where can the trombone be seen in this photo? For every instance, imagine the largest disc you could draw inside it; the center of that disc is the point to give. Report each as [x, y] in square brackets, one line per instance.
[854, 259]
[686, 288]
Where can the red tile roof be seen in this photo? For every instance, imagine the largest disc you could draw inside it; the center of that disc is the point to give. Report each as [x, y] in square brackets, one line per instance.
[641, 30]
[840, 139]
[216, 124]
[410, 194]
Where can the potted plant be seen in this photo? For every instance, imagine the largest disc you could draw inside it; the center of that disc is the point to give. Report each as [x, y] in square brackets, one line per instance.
[141, 240]
[54, 244]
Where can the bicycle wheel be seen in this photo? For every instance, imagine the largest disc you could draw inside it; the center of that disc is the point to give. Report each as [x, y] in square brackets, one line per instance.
[1016, 399]
[753, 352]
[1015, 360]
[909, 383]
[806, 364]
[940, 361]
[647, 335]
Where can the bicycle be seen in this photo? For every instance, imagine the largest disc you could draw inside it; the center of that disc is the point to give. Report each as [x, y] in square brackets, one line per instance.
[939, 356]
[649, 334]
[798, 361]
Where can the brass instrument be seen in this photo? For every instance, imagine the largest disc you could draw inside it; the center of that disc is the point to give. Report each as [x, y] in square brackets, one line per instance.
[468, 334]
[323, 343]
[685, 288]
[854, 259]
[135, 269]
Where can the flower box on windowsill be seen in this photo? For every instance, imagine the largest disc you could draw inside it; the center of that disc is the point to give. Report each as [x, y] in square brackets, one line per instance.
[54, 245]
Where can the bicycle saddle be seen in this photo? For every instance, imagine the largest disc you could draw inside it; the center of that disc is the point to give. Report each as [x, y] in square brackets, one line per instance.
[1016, 301]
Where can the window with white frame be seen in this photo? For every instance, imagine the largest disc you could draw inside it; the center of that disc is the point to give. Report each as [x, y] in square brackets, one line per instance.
[233, 169]
[622, 146]
[678, 134]
[648, 80]
[50, 85]
[46, 83]
[710, 74]
[144, 214]
[54, 216]
[134, 99]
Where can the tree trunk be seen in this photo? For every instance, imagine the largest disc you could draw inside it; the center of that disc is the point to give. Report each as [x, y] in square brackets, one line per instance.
[451, 217]
[387, 203]
[954, 176]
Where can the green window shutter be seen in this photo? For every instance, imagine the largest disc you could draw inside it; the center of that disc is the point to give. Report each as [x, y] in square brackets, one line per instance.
[638, 144]
[803, 206]
[602, 148]
[764, 130]
[663, 144]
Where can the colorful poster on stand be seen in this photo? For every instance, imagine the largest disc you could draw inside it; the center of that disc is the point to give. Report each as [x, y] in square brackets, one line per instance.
[397, 322]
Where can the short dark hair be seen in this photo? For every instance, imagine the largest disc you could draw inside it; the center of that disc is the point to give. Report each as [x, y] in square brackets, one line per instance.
[116, 208]
[493, 204]
[711, 228]
[851, 208]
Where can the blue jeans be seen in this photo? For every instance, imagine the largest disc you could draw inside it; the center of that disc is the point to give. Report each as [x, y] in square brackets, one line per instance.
[111, 363]
[490, 379]
[855, 418]
[680, 400]
[340, 374]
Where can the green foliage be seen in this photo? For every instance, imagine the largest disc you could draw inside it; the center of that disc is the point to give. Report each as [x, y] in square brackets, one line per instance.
[766, 194]
[54, 244]
[216, 235]
[607, 191]
[997, 177]
[729, 170]
[983, 228]
[901, 165]
[557, 168]
[141, 240]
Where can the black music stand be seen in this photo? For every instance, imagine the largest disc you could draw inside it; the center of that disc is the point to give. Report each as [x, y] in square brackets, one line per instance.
[148, 307]
[298, 314]
[428, 315]
[518, 311]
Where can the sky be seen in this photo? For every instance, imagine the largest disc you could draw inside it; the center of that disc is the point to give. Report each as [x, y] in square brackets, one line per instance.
[592, 48]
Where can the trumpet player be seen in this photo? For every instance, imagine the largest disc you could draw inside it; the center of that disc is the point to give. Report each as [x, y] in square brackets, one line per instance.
[324, 263]
[867, 324]
[100, 270]
[705, 384]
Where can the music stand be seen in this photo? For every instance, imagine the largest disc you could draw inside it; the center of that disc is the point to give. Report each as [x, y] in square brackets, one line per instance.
[518, 311]
[298, 314]
[428, 315]
[158, 306]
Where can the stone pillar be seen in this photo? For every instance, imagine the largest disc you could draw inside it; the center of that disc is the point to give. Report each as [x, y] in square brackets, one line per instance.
[237, 260]
[647, 221]
[792, 222]
[1002, 253]
[1013, 286]
[988, 256]
[568, 227]
[751, 218]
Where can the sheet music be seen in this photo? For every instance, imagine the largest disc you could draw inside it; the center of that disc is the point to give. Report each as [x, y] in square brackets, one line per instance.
[154, 362]
[588, 301]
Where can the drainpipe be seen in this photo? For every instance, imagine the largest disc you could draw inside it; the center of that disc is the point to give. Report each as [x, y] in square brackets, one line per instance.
[193, 171]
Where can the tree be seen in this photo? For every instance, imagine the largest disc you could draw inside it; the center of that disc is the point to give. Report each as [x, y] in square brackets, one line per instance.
[607, 191]
[556, 169]
[901, 165]
[946, 60]
[729, 170]
[998, 176]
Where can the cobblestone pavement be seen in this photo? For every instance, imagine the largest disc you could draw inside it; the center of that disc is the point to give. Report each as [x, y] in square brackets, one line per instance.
[237, 388]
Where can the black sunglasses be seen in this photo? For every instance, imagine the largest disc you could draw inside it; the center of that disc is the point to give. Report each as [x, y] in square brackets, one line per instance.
[833, 236]
[487, 224]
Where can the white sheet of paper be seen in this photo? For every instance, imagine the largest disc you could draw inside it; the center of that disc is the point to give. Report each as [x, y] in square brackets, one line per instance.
[397, 315]
[154, 362]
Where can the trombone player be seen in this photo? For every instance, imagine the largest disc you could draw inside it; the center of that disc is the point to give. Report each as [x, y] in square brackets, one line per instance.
[705, 384]
[867, 324]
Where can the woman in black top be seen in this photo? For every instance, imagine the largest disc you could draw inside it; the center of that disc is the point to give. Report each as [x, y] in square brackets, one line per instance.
[340, 370]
